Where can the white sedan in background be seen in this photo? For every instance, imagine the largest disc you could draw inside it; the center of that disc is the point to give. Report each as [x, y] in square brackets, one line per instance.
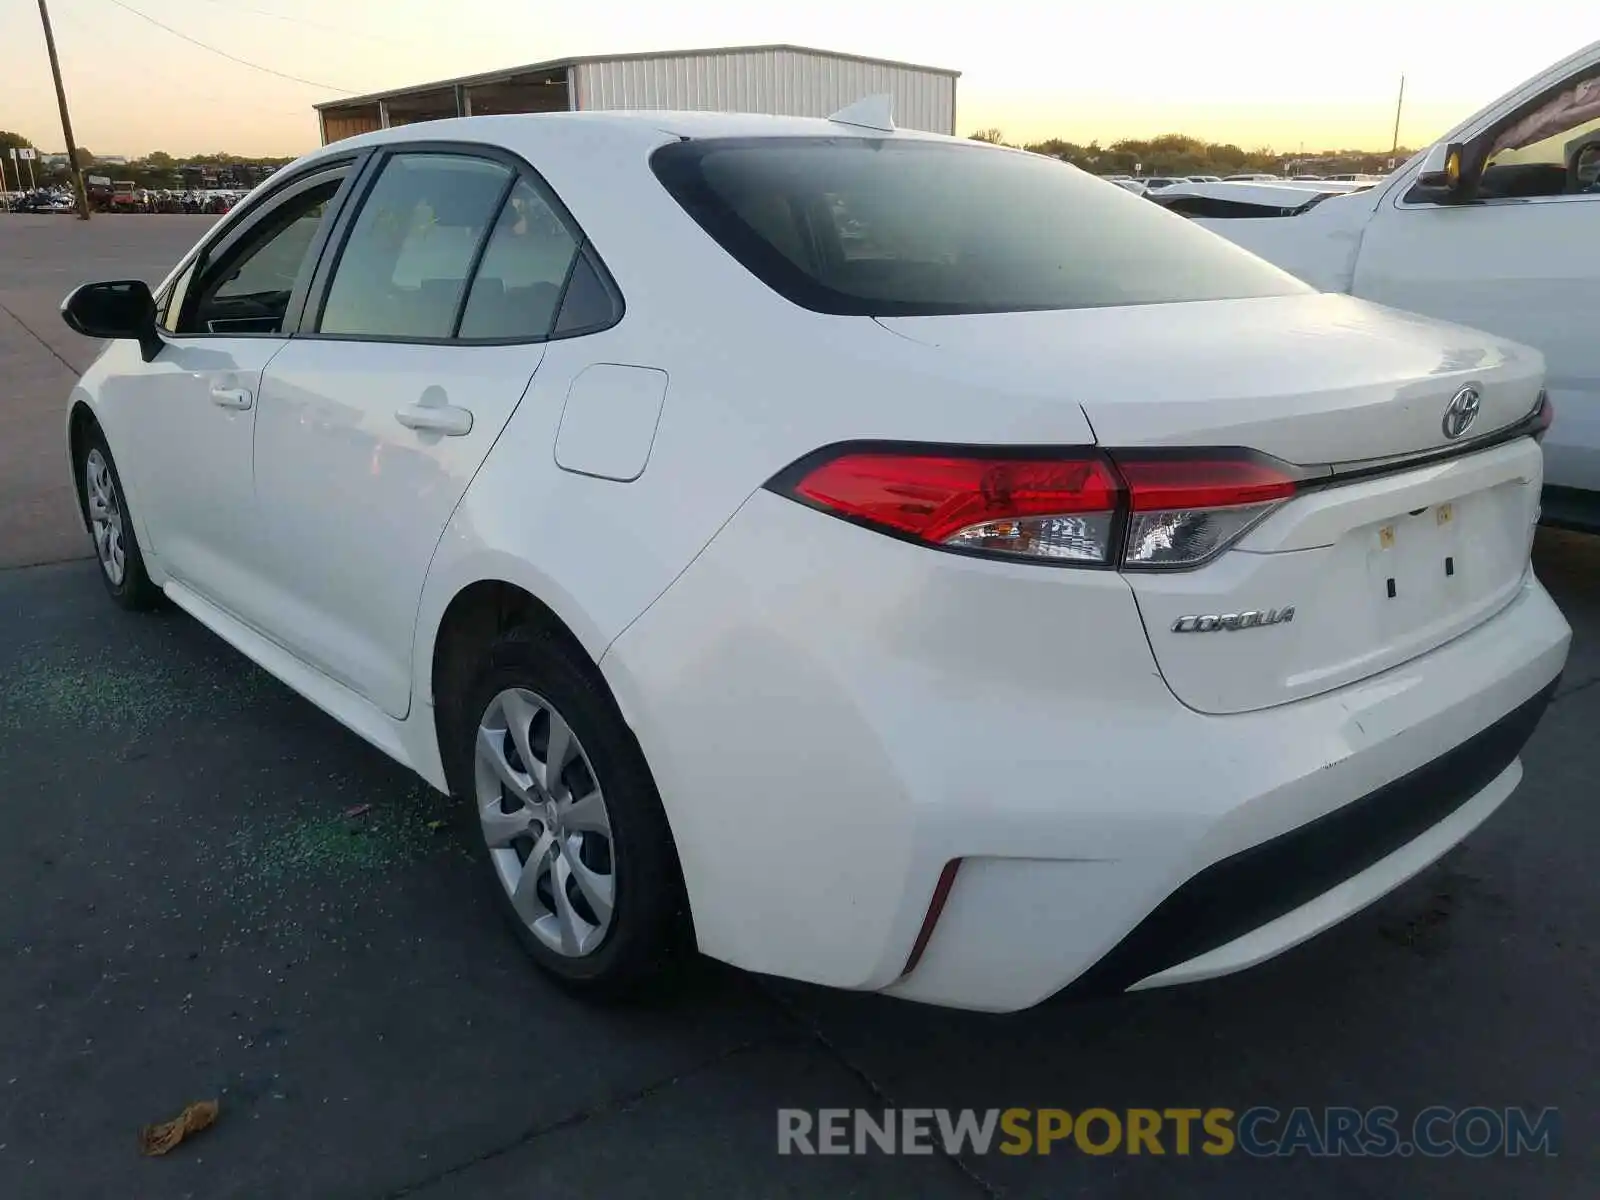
[873, 558]
[1497, 226]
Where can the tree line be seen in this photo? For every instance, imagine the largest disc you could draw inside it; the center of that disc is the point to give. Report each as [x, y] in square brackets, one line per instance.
[1179, 154]
[156, 170]
[1169, 154]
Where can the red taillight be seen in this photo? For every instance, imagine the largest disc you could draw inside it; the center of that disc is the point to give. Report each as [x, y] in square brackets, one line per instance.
[1056, 507]
[1156, 484]
[1188, 508]
[1070, 506]
[1544, 415]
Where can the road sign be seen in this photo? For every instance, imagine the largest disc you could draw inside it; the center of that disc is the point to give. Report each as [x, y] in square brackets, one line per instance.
[26, 152]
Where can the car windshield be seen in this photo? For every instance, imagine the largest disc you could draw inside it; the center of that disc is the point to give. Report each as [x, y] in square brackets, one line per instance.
[907, 227]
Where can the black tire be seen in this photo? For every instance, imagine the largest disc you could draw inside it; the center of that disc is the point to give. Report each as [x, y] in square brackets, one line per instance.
[649, 936]
[133, 591]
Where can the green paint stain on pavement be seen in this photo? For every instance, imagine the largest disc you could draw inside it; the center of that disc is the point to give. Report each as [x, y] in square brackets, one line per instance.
[299, 874]
[319, 843]
[130, 695]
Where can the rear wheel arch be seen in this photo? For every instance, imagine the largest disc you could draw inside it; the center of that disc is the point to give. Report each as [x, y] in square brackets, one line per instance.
[477, 614]
[491, 622]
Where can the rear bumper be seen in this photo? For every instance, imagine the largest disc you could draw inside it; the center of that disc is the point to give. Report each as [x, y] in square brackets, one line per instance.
[1278, 882]
[832, 717]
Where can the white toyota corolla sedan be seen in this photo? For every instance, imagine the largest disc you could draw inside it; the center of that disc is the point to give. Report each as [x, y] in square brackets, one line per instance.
[872, 558]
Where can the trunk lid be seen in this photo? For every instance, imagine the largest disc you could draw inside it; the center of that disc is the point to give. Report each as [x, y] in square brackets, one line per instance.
[1377, 570]
[1309, 379]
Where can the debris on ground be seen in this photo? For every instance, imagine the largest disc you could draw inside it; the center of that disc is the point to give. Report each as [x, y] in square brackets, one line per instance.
[158, 1139]
[359, 810]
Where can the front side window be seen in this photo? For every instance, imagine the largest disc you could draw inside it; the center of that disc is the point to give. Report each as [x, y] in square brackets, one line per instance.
[907, 227]
[247, 290]
[171, 303]
[404, 267]
[1549, 151]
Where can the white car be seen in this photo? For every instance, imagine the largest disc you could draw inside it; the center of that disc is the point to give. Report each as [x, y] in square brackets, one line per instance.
[1247, 199]
[1507, 239]
[869, 557]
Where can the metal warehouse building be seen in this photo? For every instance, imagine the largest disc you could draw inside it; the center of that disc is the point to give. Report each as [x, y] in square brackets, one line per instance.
[785, 80]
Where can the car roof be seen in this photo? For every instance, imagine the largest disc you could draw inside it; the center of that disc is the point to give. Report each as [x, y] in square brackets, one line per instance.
[621, 128]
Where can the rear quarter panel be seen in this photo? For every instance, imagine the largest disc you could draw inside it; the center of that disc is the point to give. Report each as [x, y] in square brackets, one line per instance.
[754, 383]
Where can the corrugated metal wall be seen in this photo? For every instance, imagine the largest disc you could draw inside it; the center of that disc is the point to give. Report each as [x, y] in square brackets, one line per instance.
[784, 82]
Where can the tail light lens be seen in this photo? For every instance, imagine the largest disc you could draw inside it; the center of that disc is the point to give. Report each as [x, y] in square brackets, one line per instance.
[1188, 510]
[1047, 508]
[1082, 507]
[1544, 415]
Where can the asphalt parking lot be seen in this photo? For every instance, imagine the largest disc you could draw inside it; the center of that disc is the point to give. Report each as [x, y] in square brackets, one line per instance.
[210, 890]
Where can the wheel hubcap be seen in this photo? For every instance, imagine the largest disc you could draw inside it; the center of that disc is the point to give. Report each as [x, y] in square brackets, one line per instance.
[105, 516]
[545, 822]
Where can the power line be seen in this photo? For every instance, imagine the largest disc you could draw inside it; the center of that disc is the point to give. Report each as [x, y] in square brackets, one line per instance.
[342, 30]
[231, 57]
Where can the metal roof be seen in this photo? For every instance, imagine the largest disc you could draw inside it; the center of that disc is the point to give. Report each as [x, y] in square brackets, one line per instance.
[561, 64]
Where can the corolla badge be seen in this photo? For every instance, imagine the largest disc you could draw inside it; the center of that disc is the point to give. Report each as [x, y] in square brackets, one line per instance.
[1251, 619]
[1461, 412]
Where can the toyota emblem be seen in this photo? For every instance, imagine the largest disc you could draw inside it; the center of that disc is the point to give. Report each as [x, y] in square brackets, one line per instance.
[1461, 412]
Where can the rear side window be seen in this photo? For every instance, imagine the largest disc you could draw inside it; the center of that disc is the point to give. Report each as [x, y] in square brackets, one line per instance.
[906, 227]
[589, 304]
[524, 268]
[411, 249]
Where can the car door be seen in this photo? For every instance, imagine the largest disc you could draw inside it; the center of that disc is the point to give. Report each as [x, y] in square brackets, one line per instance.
[425, 330]
[1522, 260]
[193, 406]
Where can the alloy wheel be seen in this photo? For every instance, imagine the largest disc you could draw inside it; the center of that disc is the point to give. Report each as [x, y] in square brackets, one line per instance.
[105, 516]
[545, 822]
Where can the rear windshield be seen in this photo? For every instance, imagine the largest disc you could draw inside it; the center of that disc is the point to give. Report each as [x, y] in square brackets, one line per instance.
[904, 227]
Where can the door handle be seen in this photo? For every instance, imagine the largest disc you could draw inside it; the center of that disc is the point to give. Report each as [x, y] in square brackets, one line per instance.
[435, 418]
[236, 398]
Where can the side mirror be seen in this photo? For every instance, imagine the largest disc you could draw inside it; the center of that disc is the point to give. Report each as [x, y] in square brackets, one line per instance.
[123, 309]
[1441, 167]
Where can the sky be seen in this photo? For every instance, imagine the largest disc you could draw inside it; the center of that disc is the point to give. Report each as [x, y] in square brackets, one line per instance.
[1253, 72]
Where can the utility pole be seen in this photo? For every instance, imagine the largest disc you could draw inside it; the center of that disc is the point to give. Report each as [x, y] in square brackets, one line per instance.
[1399, 104]
[66, 121]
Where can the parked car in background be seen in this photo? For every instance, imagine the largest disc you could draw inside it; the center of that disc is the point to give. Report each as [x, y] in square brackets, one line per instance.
[1280, 197]
[41, 200]
[1496, 226]
[880, 559]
